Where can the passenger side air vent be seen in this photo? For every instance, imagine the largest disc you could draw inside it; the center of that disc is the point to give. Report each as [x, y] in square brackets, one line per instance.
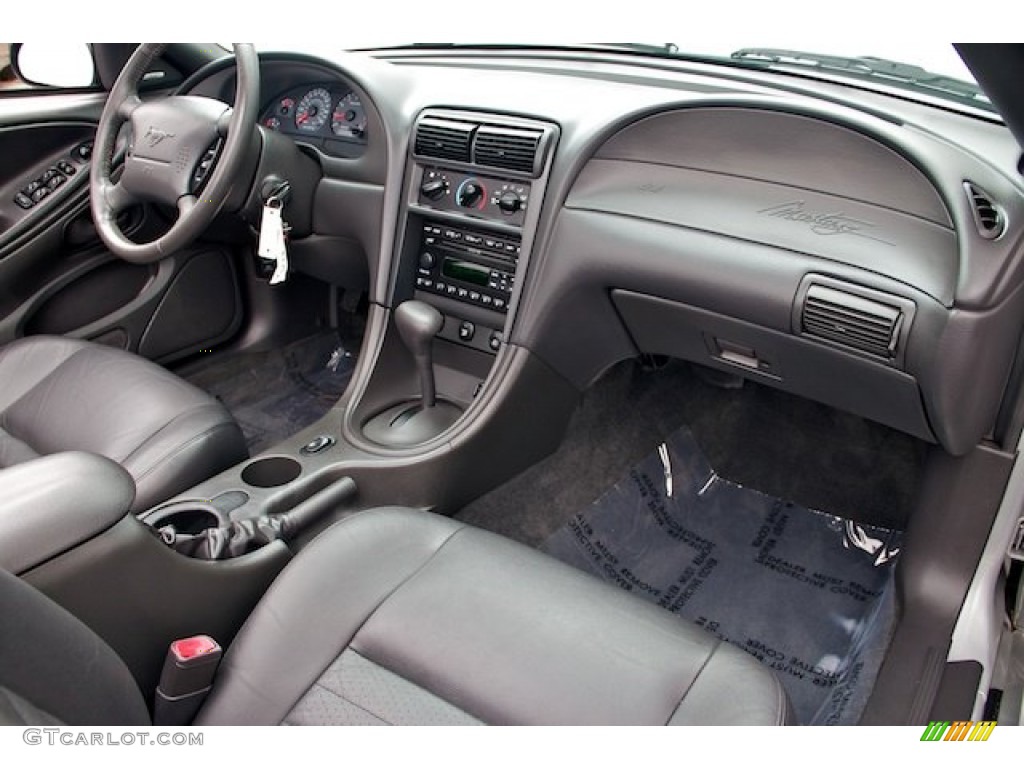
[851, 320]
[988, 217]
[511, 148]
[444, 139]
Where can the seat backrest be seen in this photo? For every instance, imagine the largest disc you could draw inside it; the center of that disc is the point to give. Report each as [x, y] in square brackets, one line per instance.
[55, 670]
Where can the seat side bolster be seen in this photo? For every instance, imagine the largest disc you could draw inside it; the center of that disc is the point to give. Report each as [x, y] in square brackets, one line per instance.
[61, 667]
[189, 450]
[315, 608]
[732, 690]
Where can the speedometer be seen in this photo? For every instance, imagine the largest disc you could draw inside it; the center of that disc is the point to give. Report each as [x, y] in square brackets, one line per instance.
[313, 110]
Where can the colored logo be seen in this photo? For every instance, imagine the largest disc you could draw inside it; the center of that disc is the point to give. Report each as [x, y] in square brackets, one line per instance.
[961, 730]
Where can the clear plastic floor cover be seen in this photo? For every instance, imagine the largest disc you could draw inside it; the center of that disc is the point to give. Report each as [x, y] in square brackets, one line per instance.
[806, 593]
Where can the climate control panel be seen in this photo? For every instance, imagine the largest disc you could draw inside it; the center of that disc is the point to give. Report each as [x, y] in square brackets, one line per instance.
[487, 197]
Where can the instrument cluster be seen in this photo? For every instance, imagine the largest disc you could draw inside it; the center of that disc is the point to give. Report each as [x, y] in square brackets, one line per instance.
[330, 116]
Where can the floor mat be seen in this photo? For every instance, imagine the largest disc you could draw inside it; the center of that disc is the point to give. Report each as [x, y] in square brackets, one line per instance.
[808, 594]
[274, 394]
[755, 435]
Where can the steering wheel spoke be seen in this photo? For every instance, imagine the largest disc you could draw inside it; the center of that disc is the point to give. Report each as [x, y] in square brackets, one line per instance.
[127, 107]
[186, 203]
[224, 123]
[116, 197]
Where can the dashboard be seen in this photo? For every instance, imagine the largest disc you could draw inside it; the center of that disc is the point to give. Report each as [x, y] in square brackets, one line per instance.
[852, 247]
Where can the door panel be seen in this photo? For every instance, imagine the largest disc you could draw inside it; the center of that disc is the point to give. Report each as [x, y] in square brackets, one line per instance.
[55, 275]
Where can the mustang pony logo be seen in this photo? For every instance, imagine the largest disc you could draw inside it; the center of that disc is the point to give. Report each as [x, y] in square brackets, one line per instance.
[154, 136]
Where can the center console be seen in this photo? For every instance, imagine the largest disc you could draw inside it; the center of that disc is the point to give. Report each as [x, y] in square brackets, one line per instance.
[474, 183]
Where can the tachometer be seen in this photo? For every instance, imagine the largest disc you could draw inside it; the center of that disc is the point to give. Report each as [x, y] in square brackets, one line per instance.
[313, 110]
[349, 118]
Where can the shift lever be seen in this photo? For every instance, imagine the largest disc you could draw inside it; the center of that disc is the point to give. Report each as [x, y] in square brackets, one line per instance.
[413, 423]
[418, 323]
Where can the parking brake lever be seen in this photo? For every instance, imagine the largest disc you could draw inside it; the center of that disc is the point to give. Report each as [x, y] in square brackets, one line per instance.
[242, 536]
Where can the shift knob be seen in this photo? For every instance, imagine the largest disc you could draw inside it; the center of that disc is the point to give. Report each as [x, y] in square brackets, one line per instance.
[418, 323]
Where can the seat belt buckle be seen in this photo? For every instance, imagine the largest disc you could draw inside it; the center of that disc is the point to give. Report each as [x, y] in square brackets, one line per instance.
[186, 678]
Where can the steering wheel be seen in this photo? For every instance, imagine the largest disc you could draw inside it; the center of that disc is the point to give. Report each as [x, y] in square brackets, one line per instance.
[184, 151]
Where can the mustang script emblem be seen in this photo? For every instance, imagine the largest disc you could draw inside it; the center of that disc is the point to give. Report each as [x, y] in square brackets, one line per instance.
[154, 136]
[827, 224]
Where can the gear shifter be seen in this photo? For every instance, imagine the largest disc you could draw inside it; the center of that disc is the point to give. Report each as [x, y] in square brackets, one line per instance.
[411, 423]
[418, 323]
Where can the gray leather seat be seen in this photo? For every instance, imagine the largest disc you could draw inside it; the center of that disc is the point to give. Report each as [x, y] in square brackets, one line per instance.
[59, 394]
[404, 617]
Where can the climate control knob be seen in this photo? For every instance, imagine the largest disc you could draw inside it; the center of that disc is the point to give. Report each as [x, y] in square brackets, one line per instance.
[509, 202]
[434, 189]
[470, 193]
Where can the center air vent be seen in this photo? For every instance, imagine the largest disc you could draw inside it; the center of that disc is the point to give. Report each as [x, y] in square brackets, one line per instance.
[851, 320]
[510, 148]
[490, 141]
[988, 218]
[444, 139]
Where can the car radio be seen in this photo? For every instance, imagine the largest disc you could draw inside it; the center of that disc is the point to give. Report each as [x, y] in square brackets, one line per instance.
[473, 267]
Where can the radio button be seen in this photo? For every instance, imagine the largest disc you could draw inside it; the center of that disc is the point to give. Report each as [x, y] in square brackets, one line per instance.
[474, 296]
[499, 303]
[486, 300]
[463, 293]
[472, 239]
[451, 290]
[452, 234]
[427, 260]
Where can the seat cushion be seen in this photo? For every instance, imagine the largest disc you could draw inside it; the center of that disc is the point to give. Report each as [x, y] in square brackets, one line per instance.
[59, 394]
[399, 616]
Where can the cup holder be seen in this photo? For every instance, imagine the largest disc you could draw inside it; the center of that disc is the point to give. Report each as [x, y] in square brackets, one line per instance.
[186, 518]
[271, 472]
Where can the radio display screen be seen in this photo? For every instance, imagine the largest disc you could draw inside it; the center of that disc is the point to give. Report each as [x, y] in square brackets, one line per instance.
[466, 271]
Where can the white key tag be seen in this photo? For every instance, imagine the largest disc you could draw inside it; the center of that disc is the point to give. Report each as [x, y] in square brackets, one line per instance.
[272, 243]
